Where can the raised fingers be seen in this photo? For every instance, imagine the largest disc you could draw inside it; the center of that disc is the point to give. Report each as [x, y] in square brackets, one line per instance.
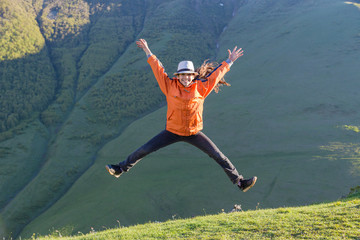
[141, 43]
[235, 53]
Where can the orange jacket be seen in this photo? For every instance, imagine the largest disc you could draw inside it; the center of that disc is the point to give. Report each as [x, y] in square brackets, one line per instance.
[185, 104]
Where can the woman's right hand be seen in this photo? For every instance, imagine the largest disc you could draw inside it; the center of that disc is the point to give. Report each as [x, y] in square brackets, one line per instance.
[141, 43]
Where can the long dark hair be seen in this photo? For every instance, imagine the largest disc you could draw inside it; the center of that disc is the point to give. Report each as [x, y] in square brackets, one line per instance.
[206, 68]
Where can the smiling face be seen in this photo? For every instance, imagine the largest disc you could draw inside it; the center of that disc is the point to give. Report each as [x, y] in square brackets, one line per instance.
[186, 78]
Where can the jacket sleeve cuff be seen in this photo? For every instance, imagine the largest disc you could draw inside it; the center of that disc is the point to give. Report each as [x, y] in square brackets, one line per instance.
[228, 61]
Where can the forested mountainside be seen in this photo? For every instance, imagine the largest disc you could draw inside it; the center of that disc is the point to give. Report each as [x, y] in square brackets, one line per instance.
[76, 94]
[54, 51]
[27, 76]
[65, 91]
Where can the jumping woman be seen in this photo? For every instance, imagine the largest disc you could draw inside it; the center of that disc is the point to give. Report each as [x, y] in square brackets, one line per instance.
[185, 95]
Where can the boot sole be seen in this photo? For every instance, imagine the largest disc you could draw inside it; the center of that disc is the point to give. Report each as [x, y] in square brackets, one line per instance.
[252, 184]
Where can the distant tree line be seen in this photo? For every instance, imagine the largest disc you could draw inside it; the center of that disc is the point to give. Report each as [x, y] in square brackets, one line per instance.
[27, 79]
[27, 86]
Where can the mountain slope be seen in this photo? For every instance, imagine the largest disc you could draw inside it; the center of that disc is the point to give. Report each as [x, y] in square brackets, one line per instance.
[282, 119]
[94, 95]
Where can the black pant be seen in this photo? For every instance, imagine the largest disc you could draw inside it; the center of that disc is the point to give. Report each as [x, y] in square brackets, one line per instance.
[199, 140]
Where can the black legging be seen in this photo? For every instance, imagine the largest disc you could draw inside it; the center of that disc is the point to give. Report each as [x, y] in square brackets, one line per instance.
[199, 140]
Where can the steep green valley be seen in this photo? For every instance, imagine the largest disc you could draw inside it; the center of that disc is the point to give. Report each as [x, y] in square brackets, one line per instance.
[77, 94]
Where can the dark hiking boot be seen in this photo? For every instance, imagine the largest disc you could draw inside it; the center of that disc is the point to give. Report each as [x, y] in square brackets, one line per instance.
[246, 184]
[114, 170]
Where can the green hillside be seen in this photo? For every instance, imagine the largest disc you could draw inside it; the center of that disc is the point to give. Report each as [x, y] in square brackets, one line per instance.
[27, 77]
[75, 86]
[335, 220]
[80, 95]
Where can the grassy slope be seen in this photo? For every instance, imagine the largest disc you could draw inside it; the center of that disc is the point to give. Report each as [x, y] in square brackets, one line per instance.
[336, 220]
[279, 120]
[80, 118]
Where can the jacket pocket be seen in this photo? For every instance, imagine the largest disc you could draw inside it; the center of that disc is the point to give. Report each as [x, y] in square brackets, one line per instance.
[170, 115]
[175, 117]
[195, 121]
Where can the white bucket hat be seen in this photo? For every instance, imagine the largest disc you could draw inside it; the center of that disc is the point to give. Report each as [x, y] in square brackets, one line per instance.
[185, 67]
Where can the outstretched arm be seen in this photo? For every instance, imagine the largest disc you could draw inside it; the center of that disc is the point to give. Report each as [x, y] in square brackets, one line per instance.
[141, 43]
[215, 76]
[156, 66]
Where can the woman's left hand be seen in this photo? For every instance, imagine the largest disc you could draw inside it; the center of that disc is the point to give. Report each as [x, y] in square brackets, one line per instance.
[235, 53]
